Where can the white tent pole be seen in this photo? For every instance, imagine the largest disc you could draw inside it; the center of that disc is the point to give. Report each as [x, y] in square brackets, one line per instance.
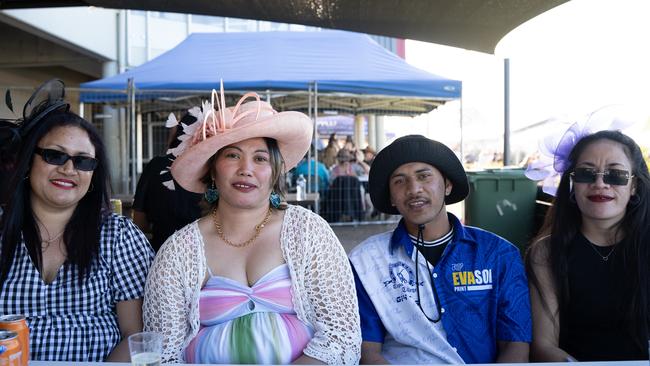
[316, 177]
[132, 128]
[311, 116]
[462, 150]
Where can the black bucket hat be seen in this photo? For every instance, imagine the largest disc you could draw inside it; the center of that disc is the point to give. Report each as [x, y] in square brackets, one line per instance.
[411, 149]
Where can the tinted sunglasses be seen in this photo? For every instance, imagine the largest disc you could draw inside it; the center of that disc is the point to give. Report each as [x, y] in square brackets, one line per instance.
[56, 157]
[615, 177]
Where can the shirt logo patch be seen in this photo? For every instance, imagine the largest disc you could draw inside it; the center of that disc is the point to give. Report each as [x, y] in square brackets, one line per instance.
[478, 280]
[401, 277]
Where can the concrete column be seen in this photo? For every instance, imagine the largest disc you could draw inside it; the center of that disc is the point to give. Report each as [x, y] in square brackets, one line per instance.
[147, 34]
[358, 131]
[122, 43]
[379, 132]
[372, 131]
[111, 133]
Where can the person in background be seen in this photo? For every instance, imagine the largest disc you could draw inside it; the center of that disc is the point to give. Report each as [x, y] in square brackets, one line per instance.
[433, 290]
[348, 165]
[358, 156]
[161, 206]
[312, 167]
[330, 151]
[589, 266]
[73, 269]
[255, 280]
[349, 144]
[369, 155]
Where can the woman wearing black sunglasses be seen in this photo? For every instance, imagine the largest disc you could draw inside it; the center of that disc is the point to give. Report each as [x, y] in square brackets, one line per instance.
[73, 269]
[588, 268]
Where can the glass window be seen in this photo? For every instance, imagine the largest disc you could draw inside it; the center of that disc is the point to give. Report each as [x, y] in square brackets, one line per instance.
[297, 27]
[174, 16]
[205, 23]
[279, 26]
[207, 20]
[241, 25]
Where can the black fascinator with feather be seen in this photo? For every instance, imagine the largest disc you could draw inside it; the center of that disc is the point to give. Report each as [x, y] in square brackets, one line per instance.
[46, 99]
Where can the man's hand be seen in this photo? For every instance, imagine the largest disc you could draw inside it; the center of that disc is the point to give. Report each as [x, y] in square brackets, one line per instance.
[371, 354]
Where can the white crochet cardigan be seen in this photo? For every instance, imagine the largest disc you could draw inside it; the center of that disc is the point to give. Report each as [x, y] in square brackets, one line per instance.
[322, 288]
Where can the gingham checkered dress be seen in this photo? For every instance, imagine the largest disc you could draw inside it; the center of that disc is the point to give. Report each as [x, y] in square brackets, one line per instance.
[72, 323]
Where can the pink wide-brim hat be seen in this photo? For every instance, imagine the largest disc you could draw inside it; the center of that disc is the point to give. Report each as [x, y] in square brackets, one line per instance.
[226, 126]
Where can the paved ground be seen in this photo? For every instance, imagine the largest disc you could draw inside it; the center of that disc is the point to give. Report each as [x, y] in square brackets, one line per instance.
[351, 235]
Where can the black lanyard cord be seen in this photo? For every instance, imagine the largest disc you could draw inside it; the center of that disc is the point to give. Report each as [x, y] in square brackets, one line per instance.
[420, 241]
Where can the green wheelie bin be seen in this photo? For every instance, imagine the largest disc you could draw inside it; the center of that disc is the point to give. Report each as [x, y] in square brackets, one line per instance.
[502, 201]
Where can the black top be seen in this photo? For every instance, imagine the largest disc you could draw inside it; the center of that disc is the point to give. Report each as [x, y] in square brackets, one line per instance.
[593, 327]
[432, 250]
[432, 253]
[166, 210]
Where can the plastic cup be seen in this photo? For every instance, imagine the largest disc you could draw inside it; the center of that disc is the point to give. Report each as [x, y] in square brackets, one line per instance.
[145, 348]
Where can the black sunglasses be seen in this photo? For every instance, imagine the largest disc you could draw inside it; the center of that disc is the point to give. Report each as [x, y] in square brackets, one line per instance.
[56, 157]
[615, 177]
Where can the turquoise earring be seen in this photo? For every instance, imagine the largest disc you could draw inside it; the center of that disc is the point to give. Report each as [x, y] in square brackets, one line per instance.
[275, 200]
[211, 194]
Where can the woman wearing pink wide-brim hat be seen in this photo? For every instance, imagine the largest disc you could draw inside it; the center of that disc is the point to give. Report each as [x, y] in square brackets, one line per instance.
[255, 280]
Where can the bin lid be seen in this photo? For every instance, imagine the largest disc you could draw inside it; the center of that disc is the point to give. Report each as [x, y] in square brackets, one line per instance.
[507, 173]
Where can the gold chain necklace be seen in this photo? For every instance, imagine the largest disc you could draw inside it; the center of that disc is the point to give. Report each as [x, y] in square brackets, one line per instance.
[258, 229]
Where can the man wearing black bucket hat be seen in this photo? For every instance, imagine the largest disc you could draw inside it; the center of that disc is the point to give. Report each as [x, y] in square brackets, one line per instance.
[434, 290]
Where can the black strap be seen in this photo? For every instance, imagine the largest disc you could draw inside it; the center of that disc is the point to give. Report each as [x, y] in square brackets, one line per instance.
[420, 240]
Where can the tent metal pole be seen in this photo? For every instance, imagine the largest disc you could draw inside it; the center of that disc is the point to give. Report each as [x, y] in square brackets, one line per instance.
[138, 141]
[132, 126]
[315, 142]
[506, 112]
[124, 154]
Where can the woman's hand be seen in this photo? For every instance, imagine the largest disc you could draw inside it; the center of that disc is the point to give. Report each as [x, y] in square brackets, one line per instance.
[544, 305]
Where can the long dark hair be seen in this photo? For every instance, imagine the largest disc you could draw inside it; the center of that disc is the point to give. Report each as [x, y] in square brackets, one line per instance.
[563, 221]
[82, 232]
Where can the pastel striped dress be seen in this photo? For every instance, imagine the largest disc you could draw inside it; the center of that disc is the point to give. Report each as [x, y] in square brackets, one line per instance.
[248, 325]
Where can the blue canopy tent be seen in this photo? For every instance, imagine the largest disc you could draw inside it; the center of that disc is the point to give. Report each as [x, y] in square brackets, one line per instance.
[309, 71]
[338, 61]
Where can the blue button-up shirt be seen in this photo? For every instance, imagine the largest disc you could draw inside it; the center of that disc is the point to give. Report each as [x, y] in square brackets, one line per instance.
[481, 287]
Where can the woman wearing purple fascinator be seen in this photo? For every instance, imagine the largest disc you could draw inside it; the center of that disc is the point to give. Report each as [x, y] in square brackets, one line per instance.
[589, 266]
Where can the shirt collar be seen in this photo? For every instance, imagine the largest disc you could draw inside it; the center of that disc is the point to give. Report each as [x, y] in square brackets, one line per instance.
[401, 237]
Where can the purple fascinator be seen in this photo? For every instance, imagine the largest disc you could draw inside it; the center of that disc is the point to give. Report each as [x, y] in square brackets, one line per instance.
[555, 148]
